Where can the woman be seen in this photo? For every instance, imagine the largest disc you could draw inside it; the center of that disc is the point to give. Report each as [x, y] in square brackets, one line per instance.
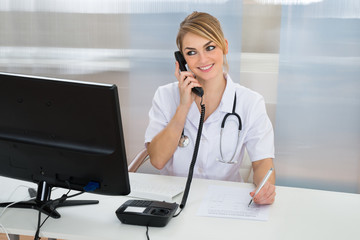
[175, 114]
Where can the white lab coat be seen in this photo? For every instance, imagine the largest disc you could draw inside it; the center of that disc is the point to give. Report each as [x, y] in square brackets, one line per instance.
[256, 135]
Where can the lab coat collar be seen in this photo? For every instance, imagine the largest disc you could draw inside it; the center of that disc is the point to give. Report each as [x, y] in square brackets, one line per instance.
[227, 101]
[194, 114]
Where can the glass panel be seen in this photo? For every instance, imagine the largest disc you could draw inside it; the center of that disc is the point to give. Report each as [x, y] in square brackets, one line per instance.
[127, 42]
[318, 106]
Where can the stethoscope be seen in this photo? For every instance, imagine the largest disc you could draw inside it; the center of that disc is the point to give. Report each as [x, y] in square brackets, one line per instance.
[184, 140]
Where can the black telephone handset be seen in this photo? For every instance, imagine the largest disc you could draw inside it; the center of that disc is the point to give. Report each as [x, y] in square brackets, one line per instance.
[181, 60]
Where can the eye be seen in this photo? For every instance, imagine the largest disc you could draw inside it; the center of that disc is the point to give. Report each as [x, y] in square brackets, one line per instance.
[190, 53]
[210, 48]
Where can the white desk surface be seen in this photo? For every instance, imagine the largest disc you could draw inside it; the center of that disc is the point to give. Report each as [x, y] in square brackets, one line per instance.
[296, 214]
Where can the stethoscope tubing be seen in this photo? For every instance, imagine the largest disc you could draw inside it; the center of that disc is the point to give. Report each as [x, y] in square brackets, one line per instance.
[233, 113]
[184, 140]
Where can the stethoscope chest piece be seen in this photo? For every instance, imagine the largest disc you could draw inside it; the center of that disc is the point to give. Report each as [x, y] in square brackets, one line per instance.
[184, 141]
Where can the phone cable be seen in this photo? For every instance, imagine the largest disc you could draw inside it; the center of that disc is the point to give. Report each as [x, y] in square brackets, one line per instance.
[193, 161]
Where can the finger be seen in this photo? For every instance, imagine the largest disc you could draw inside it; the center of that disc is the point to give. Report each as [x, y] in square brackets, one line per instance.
[190, 80]
[177, 70]
[266, 190]
[185, 85]
[259, 194]
[268, 200]
[180, 74]
[266, 195]
[194, 84]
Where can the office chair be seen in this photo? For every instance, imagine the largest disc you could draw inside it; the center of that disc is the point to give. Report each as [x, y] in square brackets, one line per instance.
[246, 171]
[139, 160]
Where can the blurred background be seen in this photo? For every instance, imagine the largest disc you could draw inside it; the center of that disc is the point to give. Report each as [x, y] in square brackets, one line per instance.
[303, 56]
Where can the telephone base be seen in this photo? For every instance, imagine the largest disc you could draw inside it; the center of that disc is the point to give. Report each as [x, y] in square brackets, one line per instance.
[146, 213]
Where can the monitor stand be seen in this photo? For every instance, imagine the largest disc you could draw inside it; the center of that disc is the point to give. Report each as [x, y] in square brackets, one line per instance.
[43, 203]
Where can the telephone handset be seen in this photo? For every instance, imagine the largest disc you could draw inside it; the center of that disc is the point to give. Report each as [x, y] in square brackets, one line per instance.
[181, 60]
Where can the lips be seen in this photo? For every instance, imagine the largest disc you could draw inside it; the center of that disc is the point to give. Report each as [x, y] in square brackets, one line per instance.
[206, 68]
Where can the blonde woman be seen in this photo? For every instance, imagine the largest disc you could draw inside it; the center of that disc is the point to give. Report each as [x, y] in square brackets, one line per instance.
[175, 114]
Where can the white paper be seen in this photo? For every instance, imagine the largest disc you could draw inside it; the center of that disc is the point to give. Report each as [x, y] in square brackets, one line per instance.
[232, 202]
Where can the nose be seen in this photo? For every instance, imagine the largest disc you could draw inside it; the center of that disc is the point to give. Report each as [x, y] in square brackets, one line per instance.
[202, 57]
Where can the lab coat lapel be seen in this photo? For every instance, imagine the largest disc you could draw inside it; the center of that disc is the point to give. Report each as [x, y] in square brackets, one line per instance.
[225, 106]
[194, 118]
[227, 100]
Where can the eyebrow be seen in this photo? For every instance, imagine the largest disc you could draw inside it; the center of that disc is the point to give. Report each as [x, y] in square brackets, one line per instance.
[205, 45]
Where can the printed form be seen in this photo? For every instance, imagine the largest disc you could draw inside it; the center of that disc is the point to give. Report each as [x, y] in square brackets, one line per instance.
[232, 202]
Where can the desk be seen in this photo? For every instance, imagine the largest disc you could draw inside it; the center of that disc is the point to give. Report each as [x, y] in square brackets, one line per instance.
[296, 214]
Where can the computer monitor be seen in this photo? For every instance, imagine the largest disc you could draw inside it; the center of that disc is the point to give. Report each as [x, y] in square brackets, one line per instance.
[61, 133]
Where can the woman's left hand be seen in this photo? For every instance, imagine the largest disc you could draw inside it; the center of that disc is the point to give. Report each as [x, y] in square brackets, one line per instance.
[266, 195]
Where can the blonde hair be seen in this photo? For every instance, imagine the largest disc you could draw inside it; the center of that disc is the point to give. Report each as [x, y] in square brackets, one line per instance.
[203, 25]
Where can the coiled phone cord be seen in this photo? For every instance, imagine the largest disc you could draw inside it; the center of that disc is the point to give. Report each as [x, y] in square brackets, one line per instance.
[192, 164]
[193, 161]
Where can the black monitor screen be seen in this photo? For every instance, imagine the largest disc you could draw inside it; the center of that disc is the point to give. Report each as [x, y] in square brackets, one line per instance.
[65, 133]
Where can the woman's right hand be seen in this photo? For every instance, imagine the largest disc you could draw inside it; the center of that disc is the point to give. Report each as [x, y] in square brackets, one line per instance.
[164, 144]
[186, 81]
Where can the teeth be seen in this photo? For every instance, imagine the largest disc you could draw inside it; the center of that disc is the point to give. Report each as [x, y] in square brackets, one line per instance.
[206, 68]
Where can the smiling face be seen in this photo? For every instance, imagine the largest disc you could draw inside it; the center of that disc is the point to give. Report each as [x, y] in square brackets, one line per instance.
[204, 57]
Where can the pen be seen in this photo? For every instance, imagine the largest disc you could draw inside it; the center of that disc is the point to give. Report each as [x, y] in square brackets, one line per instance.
[261, 184]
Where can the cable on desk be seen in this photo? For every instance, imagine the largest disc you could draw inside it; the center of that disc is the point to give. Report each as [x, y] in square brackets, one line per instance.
[13, 203]
[9, 205]
[55, 203]
[6, 233]
[177, 214]
[91, 186]
[147, 232]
